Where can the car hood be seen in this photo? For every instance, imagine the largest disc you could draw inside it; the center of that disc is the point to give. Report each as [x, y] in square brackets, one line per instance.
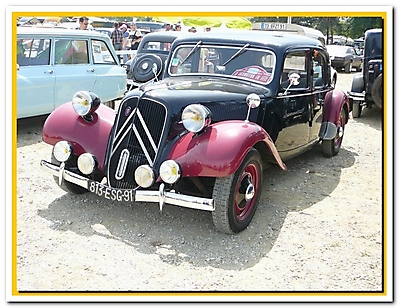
[203, 89]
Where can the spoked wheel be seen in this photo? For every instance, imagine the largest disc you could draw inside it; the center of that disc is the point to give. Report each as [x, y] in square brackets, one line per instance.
[332, 147]
[236, 196]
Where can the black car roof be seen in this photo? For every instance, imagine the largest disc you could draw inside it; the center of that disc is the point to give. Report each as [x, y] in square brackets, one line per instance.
[253, 37]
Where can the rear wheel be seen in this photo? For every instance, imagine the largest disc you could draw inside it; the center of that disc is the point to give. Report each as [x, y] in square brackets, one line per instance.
[348, 67]
[332, 147]
[356, 110]
[236, 196]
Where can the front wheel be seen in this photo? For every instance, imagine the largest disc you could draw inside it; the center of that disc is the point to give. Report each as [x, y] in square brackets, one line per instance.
[332, 147]
[236, 196]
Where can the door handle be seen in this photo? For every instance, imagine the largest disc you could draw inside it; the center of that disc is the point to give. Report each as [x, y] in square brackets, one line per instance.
[49, 72]
[91, 70]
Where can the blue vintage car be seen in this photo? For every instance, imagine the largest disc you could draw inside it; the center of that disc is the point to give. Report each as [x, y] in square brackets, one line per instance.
[53, 64]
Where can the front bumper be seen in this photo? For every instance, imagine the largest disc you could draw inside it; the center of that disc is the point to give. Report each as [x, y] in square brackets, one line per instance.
[159, 196]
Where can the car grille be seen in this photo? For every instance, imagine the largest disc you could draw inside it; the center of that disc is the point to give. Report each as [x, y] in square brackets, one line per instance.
[137, 137]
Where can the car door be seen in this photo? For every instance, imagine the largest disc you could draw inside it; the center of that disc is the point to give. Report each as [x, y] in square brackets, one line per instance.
[111, 78]
[72, 68]
[35, 77]
[296, 102]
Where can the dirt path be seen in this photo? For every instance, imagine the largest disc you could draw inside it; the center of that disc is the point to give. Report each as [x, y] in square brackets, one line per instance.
[318, 228]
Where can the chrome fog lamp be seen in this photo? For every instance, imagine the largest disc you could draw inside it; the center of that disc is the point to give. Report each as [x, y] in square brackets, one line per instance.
[196, 117]
[62, 151]
[87, 163]
[84, 103]
[144, 176]
[170, 171]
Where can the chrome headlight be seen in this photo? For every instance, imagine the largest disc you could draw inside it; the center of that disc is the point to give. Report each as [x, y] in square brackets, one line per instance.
[87, 163]
[62, 151]
[84, 102]
[196, 117]
[170, 171]
[144, 176]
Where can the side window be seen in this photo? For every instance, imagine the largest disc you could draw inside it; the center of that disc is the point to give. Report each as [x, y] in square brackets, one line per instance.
[295, 62]
[32, 52]
[71, 52]
[101, 53]
[319, 74]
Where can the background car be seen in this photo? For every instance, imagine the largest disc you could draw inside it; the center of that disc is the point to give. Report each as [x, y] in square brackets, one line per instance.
[53, 64]
[227, 106]
[153, 48]
[345, 57]
[367, 87]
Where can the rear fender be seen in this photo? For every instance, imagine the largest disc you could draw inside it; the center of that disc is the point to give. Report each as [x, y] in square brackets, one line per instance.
[85, 137]
[220, 150]
[334, 102]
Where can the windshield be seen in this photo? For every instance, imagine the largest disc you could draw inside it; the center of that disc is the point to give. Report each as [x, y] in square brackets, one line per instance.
[239, 61]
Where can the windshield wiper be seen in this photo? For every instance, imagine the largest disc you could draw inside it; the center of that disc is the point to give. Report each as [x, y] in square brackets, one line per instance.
[240, 52]
[191, 52]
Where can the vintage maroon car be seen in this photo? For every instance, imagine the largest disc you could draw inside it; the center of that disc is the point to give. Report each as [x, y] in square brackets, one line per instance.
[228, 105]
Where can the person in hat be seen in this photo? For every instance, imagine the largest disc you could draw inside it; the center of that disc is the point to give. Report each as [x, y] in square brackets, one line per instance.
[135, 36]
[177, 27]
[192, 30]
[167, 27]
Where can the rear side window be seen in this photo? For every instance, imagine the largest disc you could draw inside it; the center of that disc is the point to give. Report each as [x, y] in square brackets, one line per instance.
[33, 51]
[101, 53]
[295, 62]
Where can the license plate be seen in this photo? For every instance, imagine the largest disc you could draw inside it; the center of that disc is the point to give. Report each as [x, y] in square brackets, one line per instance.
[109, 193]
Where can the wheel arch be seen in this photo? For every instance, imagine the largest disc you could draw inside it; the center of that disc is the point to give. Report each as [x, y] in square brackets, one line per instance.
[85, 137]
[219, 151]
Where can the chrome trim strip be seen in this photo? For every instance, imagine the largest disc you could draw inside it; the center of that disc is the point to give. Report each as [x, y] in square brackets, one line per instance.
[119, 142]
[147, 155]
[145, 127]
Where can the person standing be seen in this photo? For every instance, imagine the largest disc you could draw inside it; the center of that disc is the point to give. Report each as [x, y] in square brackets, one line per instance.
[125, 41]
[177, 27]
[167, 27]
[135, 36]
[83, 23]
[117, 37]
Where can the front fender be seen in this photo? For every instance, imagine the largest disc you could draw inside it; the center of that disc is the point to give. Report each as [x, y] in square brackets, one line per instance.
[334, 102]
[85, 137]
[219, 151]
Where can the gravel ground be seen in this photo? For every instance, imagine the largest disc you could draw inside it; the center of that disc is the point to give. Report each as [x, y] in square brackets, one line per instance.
[318, 227]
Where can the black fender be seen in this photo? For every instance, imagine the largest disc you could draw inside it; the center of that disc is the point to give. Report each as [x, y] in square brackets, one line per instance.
[358, 83]
[376, 91]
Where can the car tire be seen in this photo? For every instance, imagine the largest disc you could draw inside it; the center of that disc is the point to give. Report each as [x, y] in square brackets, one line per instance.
[331, 147]
[356, 110]
[348, 67]
[376, 91]
[233, 212]
[67, 186]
